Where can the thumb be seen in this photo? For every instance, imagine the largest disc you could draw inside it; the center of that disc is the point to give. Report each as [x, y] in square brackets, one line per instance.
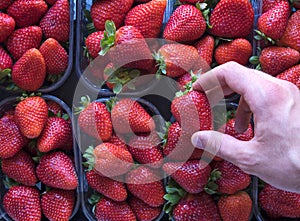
[221, 145]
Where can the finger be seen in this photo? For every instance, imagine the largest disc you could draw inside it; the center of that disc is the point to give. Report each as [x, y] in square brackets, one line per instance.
[221, 145]
[243, 116]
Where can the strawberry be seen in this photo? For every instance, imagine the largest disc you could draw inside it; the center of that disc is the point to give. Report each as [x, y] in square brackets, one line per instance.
[192, 176]
[146, 149]
[232, 19]
[146, 185]
[5, 60]
[191, 1]
[274, 22]
[31, 116]
[233, 179]
[4, 4]
[114, 10]
[24, 39]
[57, 134]
[183, 80]
[51, 2]
[274, 60]
[235, 207]
[108, 159]
[205, 47]
[269, 4]
[9, 114]
[129, 116]
[58, 204]
[27, 13]
[92, 43]
[110, 188]
[94, 119]
[192, 111]
[7, 25]
[229, 129]
[21, 168]
[11, 138]
[56, 23]
[122, 44]
[291, 36]
[185, 24]
[175, 60]
[107, 209]
[141, 1]
[143, 211]
[56, 57]
[54, 107]
[118, 141]
[292, 75]
[178, 145]
[29, 72]
[200, 207]
[238, 50]
[22, 203]
[147, 18]
[56, 170]
[279, 203]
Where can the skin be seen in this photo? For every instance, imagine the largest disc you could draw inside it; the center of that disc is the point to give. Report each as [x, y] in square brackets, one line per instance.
[274, 153]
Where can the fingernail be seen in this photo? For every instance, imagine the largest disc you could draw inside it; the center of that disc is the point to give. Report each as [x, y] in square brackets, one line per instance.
[196, 141]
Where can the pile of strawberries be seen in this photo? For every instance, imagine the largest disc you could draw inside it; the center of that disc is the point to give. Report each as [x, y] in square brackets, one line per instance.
[33, 38]
[36, 143]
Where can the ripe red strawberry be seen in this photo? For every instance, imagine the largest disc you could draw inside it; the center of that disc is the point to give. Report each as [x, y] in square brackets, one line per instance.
[201, 207]
[205, 47]
[24, 39]
[129, 116]
[56, 57]
[114, 10]
[292, 75]
[146, 149]
[11, 138]
[192, 176]
[4, 4]
[269, 4]
[9, 114]
[107, 209]
[291, 36]
[56, 134]
[56, 170]
[94, 119]
[235, 207]
[229, 129]
[110, 188]
[142, 210]
[109, 160]
[21, 168]
[274, 22]
[192, 111]
[118, 142]
[175, 60]
[22, 203]
[185, 24]
[232, 19]
[51, 2]
[146, 185]
[141, 1]
[274, 60]
[29, 72]
[54, 107]
[92, 43]
[26, 12]
[191, 1]
[5, 60]
[233, 179]
[58, 204]
[7, 25]
[279, 203]
[56, 23]
[238, 50]
[31, 116]
[147, 18]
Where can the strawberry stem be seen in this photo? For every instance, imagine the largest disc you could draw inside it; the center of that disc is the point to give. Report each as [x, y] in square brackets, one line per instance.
[84, 101]
[260, 36]
[109, 38]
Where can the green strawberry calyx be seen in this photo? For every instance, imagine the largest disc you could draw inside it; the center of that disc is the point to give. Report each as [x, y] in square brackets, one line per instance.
[261, 36]
[189, 86]
[8, 182]
[109, 38]
[174, 194]
[93, 200]
[211, 187]
[160, 63]
[111, 102]
[205, 8]
[25, 96]
[164, 135]
[90, 158]
[85, 102]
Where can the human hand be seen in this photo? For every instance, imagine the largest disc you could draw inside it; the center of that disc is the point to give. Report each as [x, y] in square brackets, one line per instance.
[274, 153]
